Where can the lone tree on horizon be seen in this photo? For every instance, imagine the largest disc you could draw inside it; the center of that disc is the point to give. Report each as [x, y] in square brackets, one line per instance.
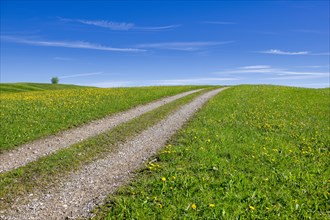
[55, 80]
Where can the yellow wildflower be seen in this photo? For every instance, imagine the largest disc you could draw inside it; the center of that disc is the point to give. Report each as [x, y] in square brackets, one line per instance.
[163, 179]
[193, 206]
[251, 207]
[212, 205]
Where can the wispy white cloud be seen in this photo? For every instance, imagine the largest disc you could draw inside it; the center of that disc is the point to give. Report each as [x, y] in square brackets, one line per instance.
[119, 26]
[270, 71]
[160, 28]
[291, 77]
[80, 75]
[218, 22]
[68, 44]
[169, 82]
[296, 73]
[183, 46]
[196, 81]
[314, 66]
[255, 67]
[251, 69]
[280, 52]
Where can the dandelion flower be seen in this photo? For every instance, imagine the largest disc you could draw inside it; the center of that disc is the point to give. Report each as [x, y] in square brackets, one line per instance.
[212, 205]
[163, 179]
[193, 206]
[251, 207]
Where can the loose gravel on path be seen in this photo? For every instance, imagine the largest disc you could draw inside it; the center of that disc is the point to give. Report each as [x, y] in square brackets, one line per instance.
[83, 189]
[32, 151]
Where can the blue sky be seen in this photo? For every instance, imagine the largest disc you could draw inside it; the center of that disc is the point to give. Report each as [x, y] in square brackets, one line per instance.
[131, 43]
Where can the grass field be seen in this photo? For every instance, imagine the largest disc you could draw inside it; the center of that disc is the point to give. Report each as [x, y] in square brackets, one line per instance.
[27, 87]
[26, 116]
[49, 170]
[253, 152]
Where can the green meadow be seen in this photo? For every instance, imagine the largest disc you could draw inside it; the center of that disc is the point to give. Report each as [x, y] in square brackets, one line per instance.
[28, 87]
[26, 116]
[50, 170]
[253, 152]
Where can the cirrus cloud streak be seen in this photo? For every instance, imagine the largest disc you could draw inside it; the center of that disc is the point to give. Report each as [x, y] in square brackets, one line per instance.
[183, 46]
[80, 75]
[275, 73]
[281, 52]
[68, 44]
[119, 26]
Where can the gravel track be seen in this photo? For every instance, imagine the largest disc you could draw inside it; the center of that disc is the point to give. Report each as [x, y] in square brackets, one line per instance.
[89, 186]
[36, 149]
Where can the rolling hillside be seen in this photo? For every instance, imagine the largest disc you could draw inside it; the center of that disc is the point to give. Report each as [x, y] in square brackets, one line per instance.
[27, 87]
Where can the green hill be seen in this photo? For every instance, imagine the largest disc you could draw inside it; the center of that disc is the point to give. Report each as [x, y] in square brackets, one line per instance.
[26, 87]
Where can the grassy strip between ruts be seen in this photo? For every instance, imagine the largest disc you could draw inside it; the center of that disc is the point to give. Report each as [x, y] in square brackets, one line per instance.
[27, 116]
[253, 152]
[49, 170]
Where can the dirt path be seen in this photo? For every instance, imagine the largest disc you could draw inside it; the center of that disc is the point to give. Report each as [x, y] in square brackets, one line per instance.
[32, 151]
[82, 190]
